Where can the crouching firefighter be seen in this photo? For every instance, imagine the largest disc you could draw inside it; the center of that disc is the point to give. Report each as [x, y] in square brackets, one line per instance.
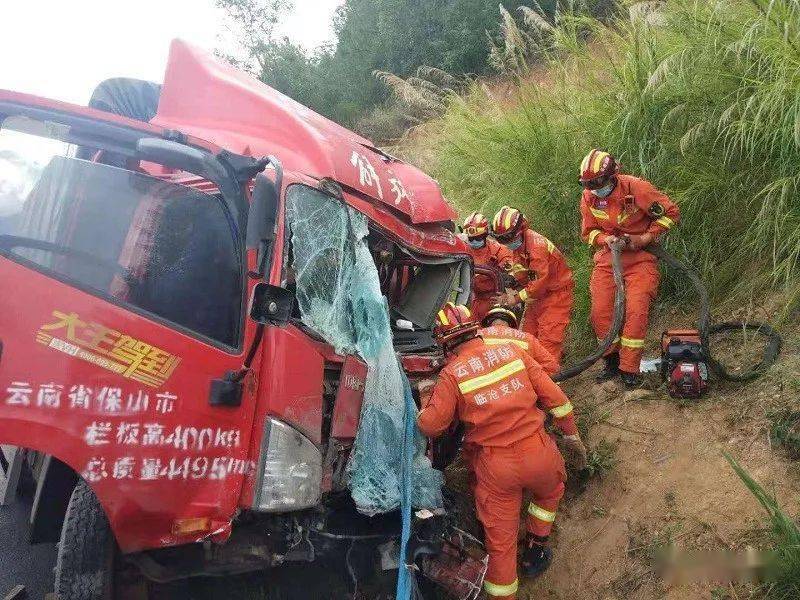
[500, 327]
[489, 254]
[544, 279]
[497, 392]
[622, 207]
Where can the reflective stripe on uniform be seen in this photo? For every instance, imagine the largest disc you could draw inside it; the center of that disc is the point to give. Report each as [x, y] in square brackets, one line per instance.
[561, 411]
[443, 318]
[517, 268]
[540, 513]
[523, 295]
[665, 222]
[489, 341]
[600, 214]
[476, 383]
[495, 589]
[593, 236]
[631, 343]
[550, 246]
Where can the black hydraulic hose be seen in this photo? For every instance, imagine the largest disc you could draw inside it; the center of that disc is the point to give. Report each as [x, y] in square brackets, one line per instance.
[616, 323]
[704, 326]
[706, 329]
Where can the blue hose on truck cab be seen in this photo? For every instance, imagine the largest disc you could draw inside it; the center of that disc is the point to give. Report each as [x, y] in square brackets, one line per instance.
[404, 577]
[339, 296]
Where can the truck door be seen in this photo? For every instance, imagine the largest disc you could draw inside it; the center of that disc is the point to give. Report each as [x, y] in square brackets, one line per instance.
[122, 301]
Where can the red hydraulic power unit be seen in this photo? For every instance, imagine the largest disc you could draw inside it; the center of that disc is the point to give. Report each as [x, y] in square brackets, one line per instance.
[684, 364]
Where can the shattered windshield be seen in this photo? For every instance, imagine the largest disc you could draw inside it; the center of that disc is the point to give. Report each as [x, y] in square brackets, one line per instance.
[323, 264]
[120, 233]
[338, 290]
[323, 255]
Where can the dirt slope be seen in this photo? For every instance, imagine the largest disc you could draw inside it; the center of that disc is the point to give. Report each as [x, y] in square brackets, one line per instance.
[671, 483]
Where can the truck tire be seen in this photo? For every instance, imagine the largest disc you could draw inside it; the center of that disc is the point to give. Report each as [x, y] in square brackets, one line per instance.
[85, 561]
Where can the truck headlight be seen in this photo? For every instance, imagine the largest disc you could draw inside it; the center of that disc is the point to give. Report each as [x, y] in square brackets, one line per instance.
[290, 473]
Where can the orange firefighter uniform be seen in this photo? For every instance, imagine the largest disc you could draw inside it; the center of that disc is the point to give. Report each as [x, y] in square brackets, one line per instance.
[495, 256]
[547, 290]
[500, 393]
[635, 207]
[503, 334]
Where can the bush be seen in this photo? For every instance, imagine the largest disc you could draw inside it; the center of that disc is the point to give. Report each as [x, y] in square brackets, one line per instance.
[700, 98]
[602, 459]
[782, 569]
[784, 431]
[384, 124]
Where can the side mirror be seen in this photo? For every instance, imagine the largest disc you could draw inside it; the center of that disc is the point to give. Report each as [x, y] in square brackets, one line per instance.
[271, 304]
[263, 215]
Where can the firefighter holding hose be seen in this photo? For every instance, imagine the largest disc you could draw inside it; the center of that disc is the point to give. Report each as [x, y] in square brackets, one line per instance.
[500, 394]
[487, 253]
[545, 285]
[615, 206]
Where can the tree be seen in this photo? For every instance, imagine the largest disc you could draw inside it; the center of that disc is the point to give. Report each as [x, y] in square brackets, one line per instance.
[253, 24]
[394, 36]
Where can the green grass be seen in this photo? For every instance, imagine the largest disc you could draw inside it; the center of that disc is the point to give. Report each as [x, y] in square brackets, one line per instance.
[705, 105]
[601, 459]
[784, 431]
[782, 570]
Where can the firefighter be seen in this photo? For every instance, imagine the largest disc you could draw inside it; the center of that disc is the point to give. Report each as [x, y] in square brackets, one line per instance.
[499, 393]
[486, 253]
[617, 207]
[500, 327]
[543, 277]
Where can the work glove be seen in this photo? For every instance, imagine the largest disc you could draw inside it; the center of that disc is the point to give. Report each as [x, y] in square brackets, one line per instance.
[611, 240]
[637, 242]
[507, 298]
[577, 456]
[425, 388]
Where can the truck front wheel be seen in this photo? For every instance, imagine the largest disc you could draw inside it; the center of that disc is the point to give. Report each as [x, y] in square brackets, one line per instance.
[85, 561]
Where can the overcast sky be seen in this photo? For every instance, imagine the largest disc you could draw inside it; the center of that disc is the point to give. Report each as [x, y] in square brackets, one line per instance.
[62, 48]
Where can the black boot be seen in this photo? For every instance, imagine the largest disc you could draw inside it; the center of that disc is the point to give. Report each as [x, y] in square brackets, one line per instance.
[631, 380]
[535, 560]
[611, 368]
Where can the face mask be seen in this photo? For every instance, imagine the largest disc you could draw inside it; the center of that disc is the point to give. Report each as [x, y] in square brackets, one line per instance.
[477, 243]
[604, 191]
[513, 245]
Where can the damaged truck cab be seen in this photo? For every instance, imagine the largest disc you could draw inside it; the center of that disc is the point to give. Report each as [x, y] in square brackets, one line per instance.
[153, 362]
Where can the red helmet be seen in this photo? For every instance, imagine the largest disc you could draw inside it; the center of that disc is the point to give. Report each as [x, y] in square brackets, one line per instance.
[507, 223]
[476, 226]
[501, 312]
[597, 169]
[454, 322]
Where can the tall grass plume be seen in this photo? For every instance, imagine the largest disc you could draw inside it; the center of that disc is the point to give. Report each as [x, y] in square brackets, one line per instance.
[702, 97]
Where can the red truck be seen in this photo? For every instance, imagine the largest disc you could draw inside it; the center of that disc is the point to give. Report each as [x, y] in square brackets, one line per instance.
[186, 421]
